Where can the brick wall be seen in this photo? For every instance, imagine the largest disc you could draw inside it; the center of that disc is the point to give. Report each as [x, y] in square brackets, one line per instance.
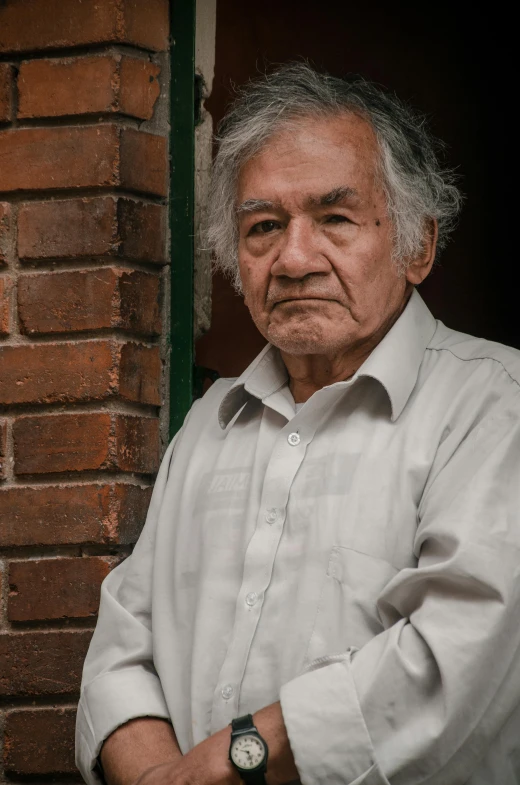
[83, 186]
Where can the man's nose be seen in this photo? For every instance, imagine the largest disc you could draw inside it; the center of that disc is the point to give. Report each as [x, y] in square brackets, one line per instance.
[299, 253]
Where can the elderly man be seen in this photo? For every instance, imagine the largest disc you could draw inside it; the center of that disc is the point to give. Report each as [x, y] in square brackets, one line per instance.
[327, 587]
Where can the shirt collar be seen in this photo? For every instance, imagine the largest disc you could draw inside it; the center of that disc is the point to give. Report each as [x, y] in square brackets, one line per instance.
[266, 374]
[394, 363]
[396, 360]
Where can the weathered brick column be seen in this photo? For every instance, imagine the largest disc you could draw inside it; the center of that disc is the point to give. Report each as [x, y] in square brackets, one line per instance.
[83, 187]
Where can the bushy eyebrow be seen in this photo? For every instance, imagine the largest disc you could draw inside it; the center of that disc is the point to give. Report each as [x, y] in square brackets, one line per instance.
[338, 195]
[256, 206]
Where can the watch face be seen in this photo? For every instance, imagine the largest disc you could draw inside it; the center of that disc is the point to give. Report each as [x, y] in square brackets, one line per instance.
[247, 752]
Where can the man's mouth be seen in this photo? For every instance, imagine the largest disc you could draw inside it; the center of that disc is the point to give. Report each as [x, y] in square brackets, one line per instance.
[308, 298]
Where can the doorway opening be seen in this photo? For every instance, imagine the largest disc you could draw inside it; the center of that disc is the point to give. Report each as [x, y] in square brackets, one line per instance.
[441, 64]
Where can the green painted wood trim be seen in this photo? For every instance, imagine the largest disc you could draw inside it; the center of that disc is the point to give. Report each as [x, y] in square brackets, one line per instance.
[181, 207]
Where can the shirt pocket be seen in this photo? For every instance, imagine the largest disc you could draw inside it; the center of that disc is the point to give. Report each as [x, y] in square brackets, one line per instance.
[347, 614]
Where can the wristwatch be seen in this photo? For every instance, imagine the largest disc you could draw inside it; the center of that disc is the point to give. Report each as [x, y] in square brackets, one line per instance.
[248, 751]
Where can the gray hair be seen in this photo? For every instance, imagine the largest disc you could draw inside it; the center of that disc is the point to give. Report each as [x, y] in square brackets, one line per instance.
[416, 186]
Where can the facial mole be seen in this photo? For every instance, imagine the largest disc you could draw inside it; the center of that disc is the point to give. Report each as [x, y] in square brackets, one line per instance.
[378, 222]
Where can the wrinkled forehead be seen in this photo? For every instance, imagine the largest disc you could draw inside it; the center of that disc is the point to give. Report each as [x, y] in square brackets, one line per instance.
[316, 154]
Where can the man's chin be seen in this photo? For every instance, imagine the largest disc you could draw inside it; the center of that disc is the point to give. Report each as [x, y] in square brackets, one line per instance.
[297, 342]
[309, 330]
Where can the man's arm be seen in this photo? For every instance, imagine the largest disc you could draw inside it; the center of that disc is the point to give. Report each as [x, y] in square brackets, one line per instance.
[119, 680]
[208, 764]
[136, 747]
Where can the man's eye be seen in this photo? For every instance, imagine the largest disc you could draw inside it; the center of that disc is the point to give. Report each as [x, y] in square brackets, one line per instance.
[336, 219]
[264, 227]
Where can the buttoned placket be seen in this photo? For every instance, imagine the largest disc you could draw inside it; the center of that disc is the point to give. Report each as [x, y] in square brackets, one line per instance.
[286, 458]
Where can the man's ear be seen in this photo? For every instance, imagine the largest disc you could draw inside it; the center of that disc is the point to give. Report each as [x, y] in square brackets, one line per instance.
[419, 268]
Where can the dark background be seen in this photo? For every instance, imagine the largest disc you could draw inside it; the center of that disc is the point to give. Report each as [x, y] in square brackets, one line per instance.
[450, 63]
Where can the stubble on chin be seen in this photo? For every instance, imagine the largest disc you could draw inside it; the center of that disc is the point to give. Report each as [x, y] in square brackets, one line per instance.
[300, 336]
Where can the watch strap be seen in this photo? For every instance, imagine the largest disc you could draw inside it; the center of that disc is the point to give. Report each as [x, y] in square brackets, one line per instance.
[243, 723]
[254, 778]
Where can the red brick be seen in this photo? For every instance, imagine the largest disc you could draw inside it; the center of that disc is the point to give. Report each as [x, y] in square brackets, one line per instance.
[56, 588]
[78, 442]
[68, 228]
[83, 157]
[62, 443]
[39, 741]
[6, 233]
[99, 226]
[137, 444]
[51, 373]
[84, 371]
[79, 85]
[30, 25]
[50, 158]
[143, 230]
[72, 514]
[3, 450]
[42, 662]
[5, 288]
[139, 88]
[139, 303]
[128, 505]
[143, 162]
[140, 374]
[88, 85]
[89, 300]
[6, 92]
[147, 23]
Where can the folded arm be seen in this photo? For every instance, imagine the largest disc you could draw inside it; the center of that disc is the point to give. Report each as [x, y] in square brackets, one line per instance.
[119, 680]
[422, 701]
[136, 747]
[127, 753]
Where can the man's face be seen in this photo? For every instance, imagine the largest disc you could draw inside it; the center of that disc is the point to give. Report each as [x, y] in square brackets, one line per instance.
[315, 246]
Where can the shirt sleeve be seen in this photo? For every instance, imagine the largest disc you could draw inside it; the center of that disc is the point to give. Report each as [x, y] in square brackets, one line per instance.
[423, 700]
[119, 679]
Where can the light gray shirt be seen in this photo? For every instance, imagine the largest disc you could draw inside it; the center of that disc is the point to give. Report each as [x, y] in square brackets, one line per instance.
[358, 560]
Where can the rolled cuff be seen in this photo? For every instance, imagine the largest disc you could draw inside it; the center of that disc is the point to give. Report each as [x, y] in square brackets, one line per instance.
[108, 702]
[327, 732]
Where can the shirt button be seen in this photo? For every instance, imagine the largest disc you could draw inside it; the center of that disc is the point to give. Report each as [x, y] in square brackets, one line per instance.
[293, 439]
[251, 598]
[272, 515]
[227, 692]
